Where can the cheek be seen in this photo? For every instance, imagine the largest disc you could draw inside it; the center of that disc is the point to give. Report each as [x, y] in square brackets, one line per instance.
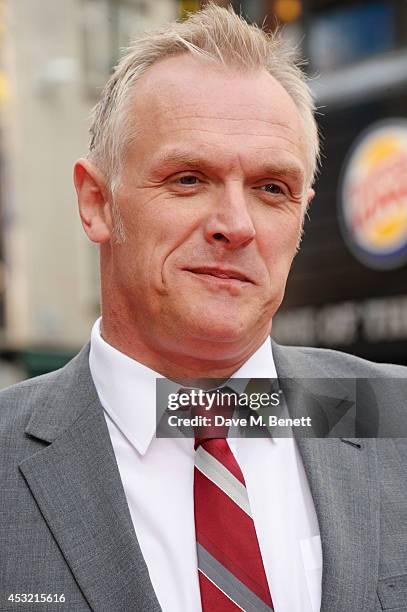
[157, 219]
[278, 245]
[153, 234]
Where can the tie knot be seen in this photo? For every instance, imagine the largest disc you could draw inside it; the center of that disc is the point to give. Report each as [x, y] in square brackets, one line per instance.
[211, 443]
[211, 411]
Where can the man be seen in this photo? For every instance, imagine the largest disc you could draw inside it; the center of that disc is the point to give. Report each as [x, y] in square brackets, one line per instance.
[199, 174]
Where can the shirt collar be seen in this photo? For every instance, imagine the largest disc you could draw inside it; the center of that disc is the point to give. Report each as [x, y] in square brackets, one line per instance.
[127, 388]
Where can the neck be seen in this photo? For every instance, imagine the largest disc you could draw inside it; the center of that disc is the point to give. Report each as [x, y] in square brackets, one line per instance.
[180, 362]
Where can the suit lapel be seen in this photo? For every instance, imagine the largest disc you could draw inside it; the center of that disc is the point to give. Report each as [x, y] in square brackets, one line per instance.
[342, 474]
[76, 484]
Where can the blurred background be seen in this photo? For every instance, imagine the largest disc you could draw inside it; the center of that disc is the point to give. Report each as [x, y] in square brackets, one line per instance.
[348, 286]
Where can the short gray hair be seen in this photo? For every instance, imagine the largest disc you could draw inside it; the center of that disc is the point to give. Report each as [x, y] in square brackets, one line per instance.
[214, 34]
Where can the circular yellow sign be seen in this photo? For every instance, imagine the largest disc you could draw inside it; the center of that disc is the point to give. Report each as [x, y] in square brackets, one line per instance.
[373, 196]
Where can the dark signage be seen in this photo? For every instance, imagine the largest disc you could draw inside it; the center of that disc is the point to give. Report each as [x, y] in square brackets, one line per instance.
[348, 285]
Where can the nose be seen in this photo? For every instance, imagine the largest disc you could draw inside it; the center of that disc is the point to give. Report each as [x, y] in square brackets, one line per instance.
[230, 223]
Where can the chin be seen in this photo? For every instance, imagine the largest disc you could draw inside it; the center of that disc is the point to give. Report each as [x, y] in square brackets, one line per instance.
[219, 330]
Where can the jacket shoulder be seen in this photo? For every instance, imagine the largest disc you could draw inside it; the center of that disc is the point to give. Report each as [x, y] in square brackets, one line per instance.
[337, 364]
[18, 401]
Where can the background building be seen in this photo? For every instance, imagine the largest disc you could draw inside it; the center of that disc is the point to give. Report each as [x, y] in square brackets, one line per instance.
[348, 287]
[344, 292]
[55, 56]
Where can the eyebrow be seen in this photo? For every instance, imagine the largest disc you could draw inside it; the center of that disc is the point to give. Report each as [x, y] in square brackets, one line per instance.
[293, 171]
[192, 161]
[174, 158]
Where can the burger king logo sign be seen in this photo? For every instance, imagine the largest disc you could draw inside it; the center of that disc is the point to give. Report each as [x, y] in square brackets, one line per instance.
[373, 196]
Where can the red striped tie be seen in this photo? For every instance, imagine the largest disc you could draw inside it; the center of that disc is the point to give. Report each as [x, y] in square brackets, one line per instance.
[230, 567]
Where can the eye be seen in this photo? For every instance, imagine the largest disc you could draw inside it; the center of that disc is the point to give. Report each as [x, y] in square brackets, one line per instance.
[188, 179]
[272, 188]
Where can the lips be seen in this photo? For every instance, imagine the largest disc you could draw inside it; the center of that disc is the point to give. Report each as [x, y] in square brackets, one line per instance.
[218, 272]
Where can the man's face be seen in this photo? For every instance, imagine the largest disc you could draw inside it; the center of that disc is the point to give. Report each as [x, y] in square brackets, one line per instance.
[211, 195]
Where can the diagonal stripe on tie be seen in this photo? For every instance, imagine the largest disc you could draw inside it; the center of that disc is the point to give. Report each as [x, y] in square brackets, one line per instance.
[215, 599]
[231, 571]
[235, 590]
[215, 471]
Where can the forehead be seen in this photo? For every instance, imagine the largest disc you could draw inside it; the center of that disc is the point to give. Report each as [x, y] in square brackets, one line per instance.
[221, 111]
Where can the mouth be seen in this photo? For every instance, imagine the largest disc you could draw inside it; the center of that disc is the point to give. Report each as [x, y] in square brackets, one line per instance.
[223, 274]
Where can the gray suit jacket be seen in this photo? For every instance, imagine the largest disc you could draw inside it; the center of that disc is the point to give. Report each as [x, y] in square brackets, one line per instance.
[65, 526]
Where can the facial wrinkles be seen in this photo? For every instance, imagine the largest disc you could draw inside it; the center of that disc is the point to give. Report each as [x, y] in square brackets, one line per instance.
[249, 115]
[217, 102]
[212, 130]
[216, 135]
[273, 126]
[281, 141]
[247, 122]
[240, 169]
[229, 126]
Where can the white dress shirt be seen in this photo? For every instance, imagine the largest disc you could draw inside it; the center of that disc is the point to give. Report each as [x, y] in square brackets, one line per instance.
[158, 475]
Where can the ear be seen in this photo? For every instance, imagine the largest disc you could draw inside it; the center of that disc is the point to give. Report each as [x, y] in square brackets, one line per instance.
[93, 201]
[310, 196]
